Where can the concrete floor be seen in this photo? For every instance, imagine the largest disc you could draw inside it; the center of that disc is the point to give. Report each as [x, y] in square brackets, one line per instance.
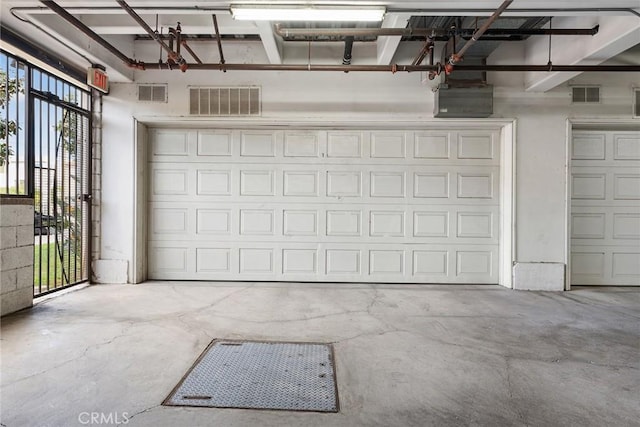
[406, 355]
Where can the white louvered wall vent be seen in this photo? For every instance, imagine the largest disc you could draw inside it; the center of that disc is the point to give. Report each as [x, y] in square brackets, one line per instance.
[152, 93]
[636, 102]
[585, 94]
[225, 101]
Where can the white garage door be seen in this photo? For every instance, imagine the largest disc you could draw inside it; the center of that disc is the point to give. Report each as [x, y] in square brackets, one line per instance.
[605, 208]
[328, 206]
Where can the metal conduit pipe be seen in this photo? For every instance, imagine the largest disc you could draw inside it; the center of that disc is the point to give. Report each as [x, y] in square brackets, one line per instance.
[91, 34]
[416, 11]
[191, 52]
[457, 56]
[437, 32]
[426, 49]
[393, 68]
[348, 48]
[516, 12]
[217, 31]
[172, 55]
[295, 67]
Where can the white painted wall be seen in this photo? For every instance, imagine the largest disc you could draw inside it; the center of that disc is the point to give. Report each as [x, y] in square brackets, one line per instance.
[372, 97]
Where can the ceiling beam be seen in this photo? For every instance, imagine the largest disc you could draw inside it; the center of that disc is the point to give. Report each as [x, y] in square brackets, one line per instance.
[269, 41]
[70, 37]
[388, 45]
[191, 24]
[616, 34]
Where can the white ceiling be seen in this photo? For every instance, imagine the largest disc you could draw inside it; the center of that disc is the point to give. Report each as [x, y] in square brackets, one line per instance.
[37, 23]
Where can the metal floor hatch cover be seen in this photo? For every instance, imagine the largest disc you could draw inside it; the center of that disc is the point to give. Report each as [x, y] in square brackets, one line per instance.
[260, 375]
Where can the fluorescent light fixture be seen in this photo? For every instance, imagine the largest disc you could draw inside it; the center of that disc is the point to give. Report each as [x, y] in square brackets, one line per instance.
[307, 13]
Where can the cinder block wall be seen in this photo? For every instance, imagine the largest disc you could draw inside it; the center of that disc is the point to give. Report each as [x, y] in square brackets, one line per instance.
[16, 254]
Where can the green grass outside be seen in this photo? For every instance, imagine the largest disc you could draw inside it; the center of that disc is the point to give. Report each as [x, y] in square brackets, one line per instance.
[46, 256]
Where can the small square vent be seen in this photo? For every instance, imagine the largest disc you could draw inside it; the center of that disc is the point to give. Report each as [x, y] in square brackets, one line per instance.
[224, 101]
[585, 94]
[636, 102]
[152, 93]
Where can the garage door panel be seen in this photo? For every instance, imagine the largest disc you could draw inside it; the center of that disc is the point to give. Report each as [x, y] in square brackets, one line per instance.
[471, 263]
[344, 145]
[322, 205]
[170, 143]
[213, 221]
[476, 185]
[605, 208]
[626, 147]
[626, 226]
[300, 183]
[344, 184]
[626, 186]
[214, 183]
[332, 222]
[257, 144]
[435, 145]
[326, 183]
[388, 145]
[214, 144]
[299, 261]
[168, 259]
[335, 262]
[257, 261]
[386, 223]
[301, 144]
[297, 222]
[213, 260]
[474, 146]
[387, 184]
[257, 222]
[590, 146]
[168, 220]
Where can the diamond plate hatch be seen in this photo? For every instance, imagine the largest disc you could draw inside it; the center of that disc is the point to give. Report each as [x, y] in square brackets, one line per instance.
[260, 375]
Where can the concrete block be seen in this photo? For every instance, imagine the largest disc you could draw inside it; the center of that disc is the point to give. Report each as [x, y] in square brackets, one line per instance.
[12, 215]
[25, 277]
[7, 237]
[8, 281]
[16, 300]
[539, 276]
[16, 257]
[24, 235]
[110, 271]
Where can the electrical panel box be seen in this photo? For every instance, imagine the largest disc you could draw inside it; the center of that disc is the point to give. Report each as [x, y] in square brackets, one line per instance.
[463, 102]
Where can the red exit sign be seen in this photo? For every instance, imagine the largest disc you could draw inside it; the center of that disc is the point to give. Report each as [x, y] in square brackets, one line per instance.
[98, 79]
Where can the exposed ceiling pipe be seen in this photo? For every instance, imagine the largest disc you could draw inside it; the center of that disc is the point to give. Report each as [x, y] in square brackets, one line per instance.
[555, 11]
[91, 34]
[217, 30]
[191, 52]
[426, 49]
[393, 68]
[348, 47]
[437, 32]
[178, 40]
[457, 56]
[185, 10]
[172, 55]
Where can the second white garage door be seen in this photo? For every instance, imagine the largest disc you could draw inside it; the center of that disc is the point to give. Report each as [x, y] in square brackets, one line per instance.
[419, 206]
[605, 208]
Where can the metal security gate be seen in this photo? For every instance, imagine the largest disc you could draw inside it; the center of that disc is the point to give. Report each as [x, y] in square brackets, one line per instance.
[60, 138]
